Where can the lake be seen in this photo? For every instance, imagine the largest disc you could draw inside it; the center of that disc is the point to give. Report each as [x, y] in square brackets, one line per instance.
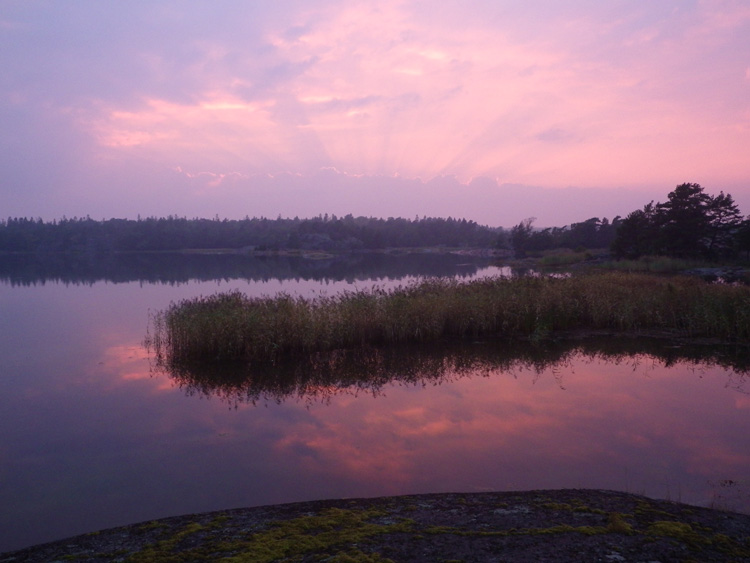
[95, 434]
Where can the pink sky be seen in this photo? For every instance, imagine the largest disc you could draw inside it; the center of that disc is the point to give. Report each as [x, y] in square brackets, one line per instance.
[490, 110]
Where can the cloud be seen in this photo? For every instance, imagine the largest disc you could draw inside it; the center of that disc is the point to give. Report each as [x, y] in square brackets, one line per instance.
[201, 193]
[543, 94]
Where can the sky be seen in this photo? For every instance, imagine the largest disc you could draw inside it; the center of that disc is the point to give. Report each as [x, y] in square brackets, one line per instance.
[489, 110]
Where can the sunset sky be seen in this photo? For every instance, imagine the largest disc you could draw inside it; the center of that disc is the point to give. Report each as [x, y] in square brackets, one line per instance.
[488, 110]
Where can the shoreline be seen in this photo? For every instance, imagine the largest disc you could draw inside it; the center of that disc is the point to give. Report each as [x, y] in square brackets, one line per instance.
[560, 525]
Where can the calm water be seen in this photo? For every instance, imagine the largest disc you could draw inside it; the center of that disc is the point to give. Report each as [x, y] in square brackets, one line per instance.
[93, 437]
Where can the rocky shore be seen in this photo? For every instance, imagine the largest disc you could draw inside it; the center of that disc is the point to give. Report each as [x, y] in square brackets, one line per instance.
[553, 525]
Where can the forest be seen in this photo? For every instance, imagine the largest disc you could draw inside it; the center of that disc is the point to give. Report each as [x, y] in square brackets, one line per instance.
[690, 224]
[325, 233]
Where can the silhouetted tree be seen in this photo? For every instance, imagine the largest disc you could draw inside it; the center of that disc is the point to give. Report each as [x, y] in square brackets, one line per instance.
[637, 233]
[724, 220]
[691, 223]
[683, 221]
[742, 238]
[520, 236]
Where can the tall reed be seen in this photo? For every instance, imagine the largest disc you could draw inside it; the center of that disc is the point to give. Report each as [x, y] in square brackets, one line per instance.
[232, 326]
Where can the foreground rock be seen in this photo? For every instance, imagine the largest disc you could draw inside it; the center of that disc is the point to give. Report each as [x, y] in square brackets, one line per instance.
[562, 525]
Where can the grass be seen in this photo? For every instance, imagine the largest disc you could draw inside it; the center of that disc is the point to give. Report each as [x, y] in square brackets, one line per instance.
[656, 264]
[234, 327]
[564, 257]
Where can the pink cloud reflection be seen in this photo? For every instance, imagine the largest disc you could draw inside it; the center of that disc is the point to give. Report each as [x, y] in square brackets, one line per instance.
[646, 429]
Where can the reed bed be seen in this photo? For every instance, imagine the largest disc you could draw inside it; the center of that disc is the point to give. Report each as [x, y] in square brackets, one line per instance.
[655, 264]
[234, 327]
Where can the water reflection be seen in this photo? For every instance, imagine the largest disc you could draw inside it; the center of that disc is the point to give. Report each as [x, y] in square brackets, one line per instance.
[179, 268]
[93, 430]
[651, 417]
[319, 377]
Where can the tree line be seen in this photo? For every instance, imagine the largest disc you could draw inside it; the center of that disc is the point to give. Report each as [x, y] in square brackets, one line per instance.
[690, 224]
[325, 232]
[592, 233]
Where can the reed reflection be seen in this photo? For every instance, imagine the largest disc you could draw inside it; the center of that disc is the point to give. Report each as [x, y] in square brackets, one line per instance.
[319, 377]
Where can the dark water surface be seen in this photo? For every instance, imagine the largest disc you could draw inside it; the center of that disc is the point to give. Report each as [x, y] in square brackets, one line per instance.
[94, 435]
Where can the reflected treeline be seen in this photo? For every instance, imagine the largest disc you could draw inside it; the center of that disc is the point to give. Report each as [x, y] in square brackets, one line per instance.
[320, 377]
[178, 268]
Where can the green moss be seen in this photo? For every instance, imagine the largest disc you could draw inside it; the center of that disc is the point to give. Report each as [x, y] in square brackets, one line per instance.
[559, 529]
[357, 556]
[163, 551]
[354, 535]
[690, 536]
[576, 506]
[153, 525]
[218, 521]
[644, 508]
[435, 530]
[617, 524]
[324, 533]
[331, 532]
[557, 506]
[731, 547]
[118, 554]
[678, 530]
